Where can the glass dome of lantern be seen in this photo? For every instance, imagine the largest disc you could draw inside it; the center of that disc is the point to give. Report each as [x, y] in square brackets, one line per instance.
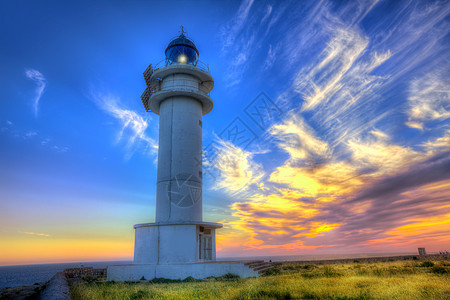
[181, 50]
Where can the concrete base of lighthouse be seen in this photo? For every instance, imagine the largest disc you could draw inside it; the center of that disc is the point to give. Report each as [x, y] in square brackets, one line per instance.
[179, 271]
[172, 243]
[176, 251]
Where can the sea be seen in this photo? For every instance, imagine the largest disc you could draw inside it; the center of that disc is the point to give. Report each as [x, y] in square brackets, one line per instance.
[12, 276]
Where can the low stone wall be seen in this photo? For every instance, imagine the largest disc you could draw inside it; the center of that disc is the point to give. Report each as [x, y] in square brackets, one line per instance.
[84, 273]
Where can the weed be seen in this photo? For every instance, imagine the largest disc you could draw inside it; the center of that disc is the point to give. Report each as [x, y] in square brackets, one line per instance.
[273, 294]
[330, 272]
[310, 295]
[310, 275]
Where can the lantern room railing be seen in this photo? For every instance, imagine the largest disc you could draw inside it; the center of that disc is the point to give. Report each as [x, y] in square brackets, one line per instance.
[201, 65]
[185, 84]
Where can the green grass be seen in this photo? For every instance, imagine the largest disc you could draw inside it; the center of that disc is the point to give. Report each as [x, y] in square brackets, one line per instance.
[380, 280]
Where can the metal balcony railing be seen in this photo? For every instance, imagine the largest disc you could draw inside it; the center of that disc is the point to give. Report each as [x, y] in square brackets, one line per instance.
[201, 65]
[170, 85]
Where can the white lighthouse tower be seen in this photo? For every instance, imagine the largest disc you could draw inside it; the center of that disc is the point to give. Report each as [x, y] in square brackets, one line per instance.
[179, 243]
[179, 94]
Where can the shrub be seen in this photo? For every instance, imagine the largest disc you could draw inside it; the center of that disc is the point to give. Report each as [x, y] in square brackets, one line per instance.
[230, 276]
[163, 280]
[308, 267]
[190, 279]
[439, 270]
[139, 295]
[90, 279]
[272, 272]
[142, 278]
[427, 264]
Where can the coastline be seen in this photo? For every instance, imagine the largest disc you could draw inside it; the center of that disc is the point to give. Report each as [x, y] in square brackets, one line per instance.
[24, 291]
[364, 259]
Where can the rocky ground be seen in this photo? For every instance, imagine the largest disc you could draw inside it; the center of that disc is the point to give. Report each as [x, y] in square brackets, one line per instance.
[23, 292]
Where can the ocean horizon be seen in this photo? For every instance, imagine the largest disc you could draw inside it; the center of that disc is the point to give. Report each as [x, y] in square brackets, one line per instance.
[17, 275]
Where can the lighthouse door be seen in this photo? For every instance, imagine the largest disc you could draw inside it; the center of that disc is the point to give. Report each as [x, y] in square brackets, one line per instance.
[205, 247]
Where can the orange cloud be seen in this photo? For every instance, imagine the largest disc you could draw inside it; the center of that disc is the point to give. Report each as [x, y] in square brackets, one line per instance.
[293, 208]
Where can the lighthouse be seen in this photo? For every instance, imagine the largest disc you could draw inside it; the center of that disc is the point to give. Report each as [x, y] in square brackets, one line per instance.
[179, 93]
[178, 244]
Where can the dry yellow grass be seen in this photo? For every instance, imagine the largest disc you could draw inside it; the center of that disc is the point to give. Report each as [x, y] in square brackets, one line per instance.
[380, 280]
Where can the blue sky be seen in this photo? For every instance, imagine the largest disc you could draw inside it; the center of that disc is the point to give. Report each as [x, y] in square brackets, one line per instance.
[331, 100]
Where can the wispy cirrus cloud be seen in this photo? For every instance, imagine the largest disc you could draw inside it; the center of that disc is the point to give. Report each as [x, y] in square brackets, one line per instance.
[379, 154]
[237, 169]
[438, 144]
[133, 126]
[232, 29]
[239, 37]
[429, 99]
[271, 56]
[41, 82]
[30, 134]
[267, 14]
[298, 139]
[36, 233]
[339, 89]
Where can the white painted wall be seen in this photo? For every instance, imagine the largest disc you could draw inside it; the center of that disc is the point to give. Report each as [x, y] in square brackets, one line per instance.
[180, 157]
[180, 271]
[166, 244]
[177, 244]
[146, 245]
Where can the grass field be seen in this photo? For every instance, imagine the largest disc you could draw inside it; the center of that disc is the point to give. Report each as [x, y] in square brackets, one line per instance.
[379, 280]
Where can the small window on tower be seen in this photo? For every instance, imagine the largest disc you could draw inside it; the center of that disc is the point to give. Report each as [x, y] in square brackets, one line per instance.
[200, 123]
[200, 174]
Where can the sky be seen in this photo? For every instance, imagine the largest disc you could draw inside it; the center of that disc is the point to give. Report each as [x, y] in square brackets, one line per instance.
[330, 131]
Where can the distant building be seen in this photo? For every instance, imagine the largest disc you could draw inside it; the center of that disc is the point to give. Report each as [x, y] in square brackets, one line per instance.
[422, 251]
